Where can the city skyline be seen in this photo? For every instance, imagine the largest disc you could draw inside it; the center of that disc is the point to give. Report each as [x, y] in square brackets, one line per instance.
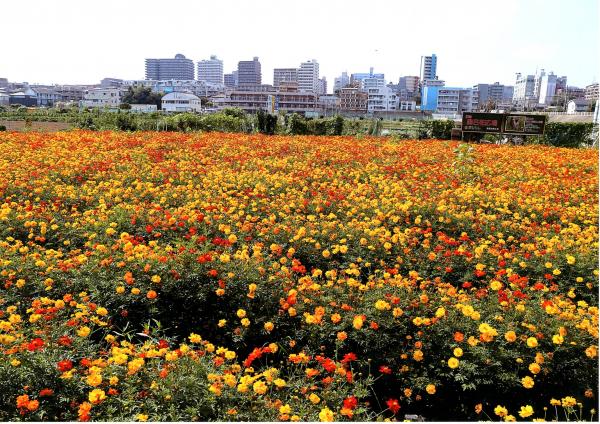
[524, 36]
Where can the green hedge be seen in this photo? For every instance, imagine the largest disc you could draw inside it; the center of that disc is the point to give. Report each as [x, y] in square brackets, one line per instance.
[572, 134]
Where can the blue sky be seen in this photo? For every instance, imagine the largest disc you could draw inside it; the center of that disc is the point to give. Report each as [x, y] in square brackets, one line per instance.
[481, 41]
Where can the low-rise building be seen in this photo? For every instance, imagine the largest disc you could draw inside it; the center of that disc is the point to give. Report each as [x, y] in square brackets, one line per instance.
[272, 101]
[578, 105]
[25, 97]
[453, 100]
[407, 106]
[47, 96]
[4, 99]
[381, 98]
[181, 102]
[102, 98]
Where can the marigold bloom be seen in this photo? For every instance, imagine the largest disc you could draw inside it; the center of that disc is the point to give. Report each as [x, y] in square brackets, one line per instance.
[526, 411]
[430, 389]
[453, 362]
[326, 415]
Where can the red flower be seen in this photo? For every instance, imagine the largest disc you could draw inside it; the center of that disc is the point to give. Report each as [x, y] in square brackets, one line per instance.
[64, 365]
[384, 369]
[393, 405]
[162, 344]
[349, 357]
[350, 402]
[65, 341]
[46, 392]
[35, 344]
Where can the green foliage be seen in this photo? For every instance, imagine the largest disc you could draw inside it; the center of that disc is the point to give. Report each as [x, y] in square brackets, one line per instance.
[2, 128]
[572, 134]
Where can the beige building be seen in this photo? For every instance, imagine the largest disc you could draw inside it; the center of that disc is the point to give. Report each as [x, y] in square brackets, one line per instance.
[102, 97]
[270, 101]
[353, 99]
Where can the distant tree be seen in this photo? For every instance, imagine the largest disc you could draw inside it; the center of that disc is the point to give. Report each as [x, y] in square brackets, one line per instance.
[142, 96]
[125, 106]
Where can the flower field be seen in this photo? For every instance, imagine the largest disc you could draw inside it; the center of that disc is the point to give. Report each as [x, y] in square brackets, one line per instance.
[170, 276]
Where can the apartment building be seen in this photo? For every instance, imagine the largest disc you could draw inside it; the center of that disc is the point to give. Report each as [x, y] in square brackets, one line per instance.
[428, 67]
[211, 70]
[381, 98]
[591, 91]
[179, 68]
[524, 91]
[181, 102]
[353, 99]
[102, 98]
[231, 80]
[284, 74]
[454, 100]
[249, 72]
[341, 82]
[486, 95]
[253, 101]
[429, 94]
[308, 76]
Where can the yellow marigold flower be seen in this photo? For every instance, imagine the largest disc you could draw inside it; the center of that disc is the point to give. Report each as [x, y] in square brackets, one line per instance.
[314, 398]
[113, 380]
[453, 362]
[591, 352]
[241, 313]
[397, 312]
[527, 382]
[120, 290]
[326, 415]
[245, 322]
[495, 285]
[357, 322]
[326, 253]
[510, 336]
[440, 312]
[458, 352]
[285, 409]
[570, 259]
[568, 401]
[557, 339]
[534, 368]
[269, 326]
[554, 402]
[96, 396]
[259, 387]
[195, 338]
[532, 342]
[418, 355]
[382, 305]
[142, 417]
[229, 355]
[83, 331]
[94, 379]
[135, 291]
[526, 411]
[279, 382]
[556, 271]
[156, 279]
[15, 362]
[430, 389]
[501, 411]
[510, 418]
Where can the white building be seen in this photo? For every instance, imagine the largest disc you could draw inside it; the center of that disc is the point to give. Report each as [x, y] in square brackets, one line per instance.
[453, 101]
[143, 108]
[368, 83]
[407, 106]
[102, 98]
[577, 105]
[381, 98]
[308, 76]
[181, 102]
[547, 89]
[211, 70]
[524, 91]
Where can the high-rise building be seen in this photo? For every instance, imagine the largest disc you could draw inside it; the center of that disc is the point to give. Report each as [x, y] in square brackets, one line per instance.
[547, 89]
[524, 92]
[284, 74]
[491, 95]
[308, 76]
[341, 82]
[162, 69]
[211, 70]
[231, 80]
[249, 73]
[428, 67]
[323, 86]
